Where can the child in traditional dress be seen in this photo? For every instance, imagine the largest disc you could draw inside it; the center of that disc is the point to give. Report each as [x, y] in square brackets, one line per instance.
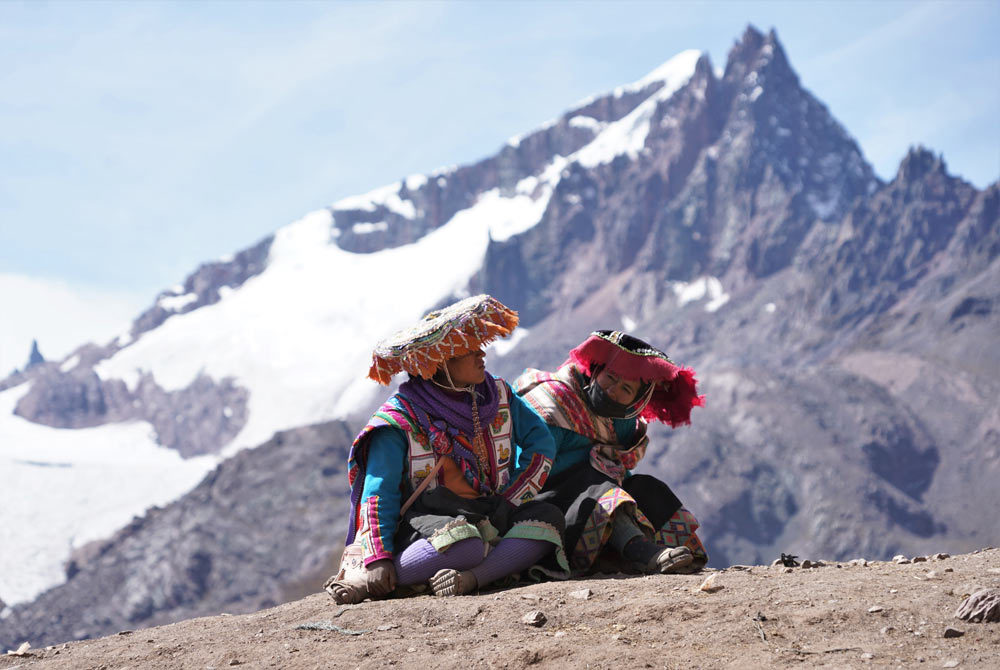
[442, 477]
[597, 406]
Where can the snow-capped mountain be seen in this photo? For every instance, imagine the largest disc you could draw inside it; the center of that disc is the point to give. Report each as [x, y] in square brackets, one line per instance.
[843, 329]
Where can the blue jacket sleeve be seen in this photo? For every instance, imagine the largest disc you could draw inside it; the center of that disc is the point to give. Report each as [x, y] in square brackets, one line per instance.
[534, 452]
[381, 496]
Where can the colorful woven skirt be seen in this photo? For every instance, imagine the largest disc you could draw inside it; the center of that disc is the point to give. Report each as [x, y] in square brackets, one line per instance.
[591, 500]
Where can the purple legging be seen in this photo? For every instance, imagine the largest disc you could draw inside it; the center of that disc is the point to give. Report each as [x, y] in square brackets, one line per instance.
[511, 555]
[419, 561]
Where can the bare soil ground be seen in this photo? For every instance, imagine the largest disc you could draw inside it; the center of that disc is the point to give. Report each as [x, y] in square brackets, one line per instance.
[840, 615]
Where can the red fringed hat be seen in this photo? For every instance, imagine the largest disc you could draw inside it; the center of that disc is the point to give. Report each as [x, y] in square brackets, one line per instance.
[446, 333]
[675, 387]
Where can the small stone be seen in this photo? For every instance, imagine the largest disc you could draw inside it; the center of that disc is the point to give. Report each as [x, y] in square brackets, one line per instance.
[887, 629]
[806, 564]
[411, 649]
[582, 594]
[710, 585]
[950, 664]
[940, 556]
[388, 626]
[531, 596]
[874, 608]
[561, 633]
[919, 559]
[953, 632]
[932, 574]
[776, 562]
[534, 618]
[868, 656]
[899, 559]
[21, 651]
[949, 569]
[787, 570]
[235, 661]
[858, 561]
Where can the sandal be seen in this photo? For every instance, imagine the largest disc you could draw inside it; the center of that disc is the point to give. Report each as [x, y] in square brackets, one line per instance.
[671, 559]
[346, 591]
[451, 582]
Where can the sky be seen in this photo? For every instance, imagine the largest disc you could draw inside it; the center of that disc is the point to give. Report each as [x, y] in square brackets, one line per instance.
[140, 139]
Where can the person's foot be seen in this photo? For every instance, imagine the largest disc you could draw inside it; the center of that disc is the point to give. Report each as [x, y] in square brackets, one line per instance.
[346, 592]
[651, 557]
[671, 559]
[453, 583]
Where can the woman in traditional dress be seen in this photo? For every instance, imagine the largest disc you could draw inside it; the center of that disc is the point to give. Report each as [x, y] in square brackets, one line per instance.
[597, 406]
[442, 477]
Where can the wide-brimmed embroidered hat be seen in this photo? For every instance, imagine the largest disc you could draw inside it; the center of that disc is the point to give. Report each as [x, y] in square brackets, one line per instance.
[674, 387]
[455, 330]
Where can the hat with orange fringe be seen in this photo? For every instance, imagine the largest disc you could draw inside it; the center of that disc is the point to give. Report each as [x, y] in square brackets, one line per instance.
[674, 391]
[455, 330]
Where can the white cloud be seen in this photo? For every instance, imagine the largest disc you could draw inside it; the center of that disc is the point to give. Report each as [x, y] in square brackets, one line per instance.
[61, 317]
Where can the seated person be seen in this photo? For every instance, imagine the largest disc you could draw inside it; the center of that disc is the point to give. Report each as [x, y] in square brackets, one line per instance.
[442, 477]
[597, 406]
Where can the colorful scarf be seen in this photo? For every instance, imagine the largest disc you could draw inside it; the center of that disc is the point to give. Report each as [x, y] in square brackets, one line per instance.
[450, 412]
[560, 400]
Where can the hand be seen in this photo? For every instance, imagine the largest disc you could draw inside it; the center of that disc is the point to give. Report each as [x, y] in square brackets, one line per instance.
[380, 577]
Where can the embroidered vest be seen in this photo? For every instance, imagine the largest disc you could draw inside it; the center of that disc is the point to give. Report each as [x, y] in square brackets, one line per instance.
[499, 448]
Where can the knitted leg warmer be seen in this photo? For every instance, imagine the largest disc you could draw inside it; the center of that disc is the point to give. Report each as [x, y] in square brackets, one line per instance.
[419, 561]
[510, 555]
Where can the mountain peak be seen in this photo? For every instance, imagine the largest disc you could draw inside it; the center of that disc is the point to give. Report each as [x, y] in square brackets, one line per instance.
[755, 52]
[35, 357]
[919, 163]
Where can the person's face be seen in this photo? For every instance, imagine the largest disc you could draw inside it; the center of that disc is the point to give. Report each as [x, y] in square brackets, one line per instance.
[468, 369]
[622, 391]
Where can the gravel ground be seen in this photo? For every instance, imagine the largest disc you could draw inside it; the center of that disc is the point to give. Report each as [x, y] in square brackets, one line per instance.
[837, 615]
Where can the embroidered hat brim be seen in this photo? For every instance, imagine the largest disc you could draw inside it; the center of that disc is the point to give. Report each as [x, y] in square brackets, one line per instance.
[455, 330]
[675, 387]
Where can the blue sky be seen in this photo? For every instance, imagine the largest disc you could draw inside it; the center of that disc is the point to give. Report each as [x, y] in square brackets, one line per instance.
[141, 139]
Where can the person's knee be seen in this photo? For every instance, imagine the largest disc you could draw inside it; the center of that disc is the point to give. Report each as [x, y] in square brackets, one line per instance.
[467, 553]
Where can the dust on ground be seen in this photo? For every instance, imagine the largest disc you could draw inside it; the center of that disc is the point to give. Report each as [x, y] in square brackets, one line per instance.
[838, 615]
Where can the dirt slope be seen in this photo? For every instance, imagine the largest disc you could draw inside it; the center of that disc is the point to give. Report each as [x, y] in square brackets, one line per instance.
[840, 615]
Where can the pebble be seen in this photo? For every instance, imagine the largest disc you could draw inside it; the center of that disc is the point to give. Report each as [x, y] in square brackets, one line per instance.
[950, 664]
[411, 649]
[534, 618]
[561, 633]
[531, 596]
[919, 559]
[874, 608]
[899, 559]
[953, 632]
[859, 561]
[868, 656]
[582, 594]
[788, 570]
[940, 556]
[710, 584]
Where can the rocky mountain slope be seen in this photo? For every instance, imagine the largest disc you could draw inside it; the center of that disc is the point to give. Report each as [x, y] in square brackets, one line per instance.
[843, 329]
[879, 615]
